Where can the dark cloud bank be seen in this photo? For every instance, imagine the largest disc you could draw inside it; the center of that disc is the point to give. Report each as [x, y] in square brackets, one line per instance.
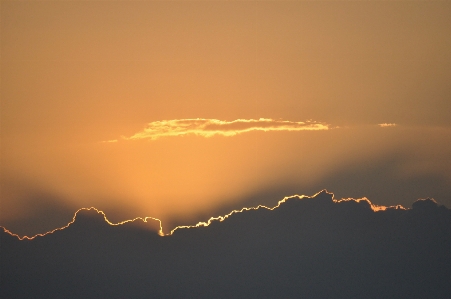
[306, 248]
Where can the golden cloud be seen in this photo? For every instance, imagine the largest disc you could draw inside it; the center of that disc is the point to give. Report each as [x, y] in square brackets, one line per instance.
[211, 127]
[386, 125]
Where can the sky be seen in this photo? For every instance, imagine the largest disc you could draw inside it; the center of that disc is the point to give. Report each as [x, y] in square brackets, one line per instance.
[183, 110]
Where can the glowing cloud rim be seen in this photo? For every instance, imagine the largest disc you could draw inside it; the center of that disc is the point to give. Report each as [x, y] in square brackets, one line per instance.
[143, 219]
[211, 127]
[374, 208]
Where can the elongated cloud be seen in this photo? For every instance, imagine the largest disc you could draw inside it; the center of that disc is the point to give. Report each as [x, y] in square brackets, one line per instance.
[211, 127]
[387, 125]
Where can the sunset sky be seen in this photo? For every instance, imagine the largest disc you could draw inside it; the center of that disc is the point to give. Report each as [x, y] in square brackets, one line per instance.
[182, 110]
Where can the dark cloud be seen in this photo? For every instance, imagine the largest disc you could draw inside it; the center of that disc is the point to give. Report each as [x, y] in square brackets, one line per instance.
[382, 182]
[37, 209]
[311, 247]
[378, 179]
[356, 179]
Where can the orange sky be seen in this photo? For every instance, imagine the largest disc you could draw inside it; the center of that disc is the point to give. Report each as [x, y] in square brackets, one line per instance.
[77, 73]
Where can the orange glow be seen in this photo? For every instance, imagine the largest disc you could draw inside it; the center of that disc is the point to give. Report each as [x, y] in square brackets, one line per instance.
[374, 207]
[95, 96]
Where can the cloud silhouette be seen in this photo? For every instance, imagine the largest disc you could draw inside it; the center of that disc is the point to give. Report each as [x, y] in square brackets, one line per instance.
[306, 247]
[212, 127]
[89, 214]
[36, 209]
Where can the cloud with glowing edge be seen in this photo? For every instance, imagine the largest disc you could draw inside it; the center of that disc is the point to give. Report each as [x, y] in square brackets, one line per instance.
[375, 208]
[212, 127]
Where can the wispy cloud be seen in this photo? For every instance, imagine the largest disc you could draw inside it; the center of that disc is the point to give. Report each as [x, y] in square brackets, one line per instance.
[211, 127]
[110, 141]
[386, 125]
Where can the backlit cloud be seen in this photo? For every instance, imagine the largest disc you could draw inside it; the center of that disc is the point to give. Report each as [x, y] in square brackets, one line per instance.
[305, 247]
[211, 127]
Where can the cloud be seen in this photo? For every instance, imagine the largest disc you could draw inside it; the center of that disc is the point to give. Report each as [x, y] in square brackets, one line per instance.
[211, 127]
[305, 247]
[322, 194]
[387, 125]
[86, 215]
[29, 208]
